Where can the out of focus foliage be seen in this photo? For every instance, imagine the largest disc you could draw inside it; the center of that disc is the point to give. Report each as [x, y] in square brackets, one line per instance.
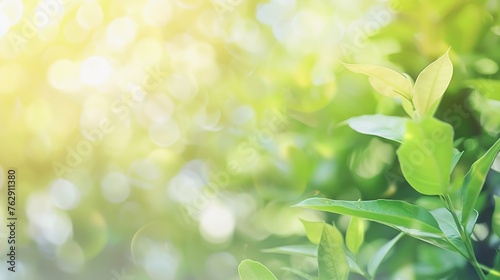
[168, 139]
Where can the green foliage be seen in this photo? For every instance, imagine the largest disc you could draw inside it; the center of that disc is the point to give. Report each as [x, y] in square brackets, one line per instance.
[431, 160]
[398, 214]
[474, 180]
[332, 263]
[313, 230]
[431, 84]
[426, 155]
[355, 234]
[252, 270]
[427, 158]
[384, 80]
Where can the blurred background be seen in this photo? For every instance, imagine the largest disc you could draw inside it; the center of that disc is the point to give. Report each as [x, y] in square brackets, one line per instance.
[167, 139]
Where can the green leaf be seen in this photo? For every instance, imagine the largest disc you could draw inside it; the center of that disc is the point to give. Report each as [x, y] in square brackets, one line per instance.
[456, 157]
[306, 250]
[388, 127]
[332, 262]
[450, 238]
[393, 213]
[355, 234]
[495, 219]
[384, 80]
[431, 84]
[252, 270]
[447, 224]
[426, 156]
[313, 230]
[474, 180]
[449, 228]
[379, 256]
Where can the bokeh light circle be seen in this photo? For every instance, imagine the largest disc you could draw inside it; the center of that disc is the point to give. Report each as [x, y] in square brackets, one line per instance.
[115, 187]
[152, 249]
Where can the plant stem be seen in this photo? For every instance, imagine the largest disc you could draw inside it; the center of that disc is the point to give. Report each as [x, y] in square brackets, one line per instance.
[465, 238]
[491, 271]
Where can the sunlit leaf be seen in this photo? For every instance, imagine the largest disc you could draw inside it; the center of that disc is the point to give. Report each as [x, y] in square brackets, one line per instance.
[332, 263]
[474, 180]
[393, 213]
[313, 230]
[408, 107]
[355, 234]
[384, 80]
[388, 127]
[252, 270]
[379, 256]
[426, 155]
[431, 84]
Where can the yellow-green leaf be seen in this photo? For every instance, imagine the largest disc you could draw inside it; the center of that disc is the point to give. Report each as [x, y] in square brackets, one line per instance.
[252, 270]
[384, 80]
[355, 234]
[431, 84]
[313, 230]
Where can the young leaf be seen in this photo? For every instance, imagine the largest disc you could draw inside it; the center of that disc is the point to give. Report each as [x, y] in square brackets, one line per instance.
[355, 234]
[252, 270]
[431, 84]
[474, 180]
[376, 260]
[332, 262]
[313, 230]
[426, 155]
[393, 213]
[408, 107]
[384, 80]
[495, 219]
[388, 127]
